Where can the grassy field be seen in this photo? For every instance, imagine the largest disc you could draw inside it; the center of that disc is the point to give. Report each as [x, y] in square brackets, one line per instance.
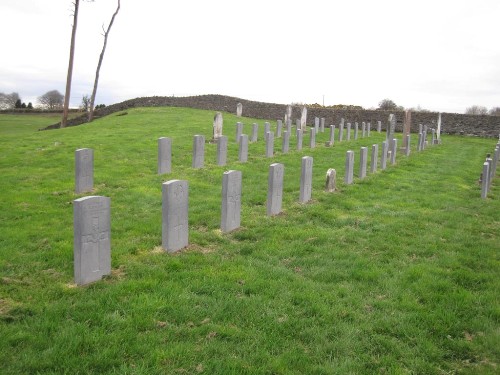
[397, 274]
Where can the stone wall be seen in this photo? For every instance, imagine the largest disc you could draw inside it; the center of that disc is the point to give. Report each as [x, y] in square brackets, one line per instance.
[452, 123]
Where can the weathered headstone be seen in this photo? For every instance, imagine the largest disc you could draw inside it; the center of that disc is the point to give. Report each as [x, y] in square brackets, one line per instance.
[267, 127]
[424, 140]
[356, 129]
[279, 126]
[289, 126]
[306, 179]
[349, 167]
[174, 230]
[303, 119]
[297, 123]
[406, 126]
[285, 145]
[275, 189]
[419, 145]
[164, 155]
[433, 137]
[438, 133]
[363, 129]
[369, 129]
[391, 127]
[389, 155]
[91, 238]
[269, 144]
[341, 132]
[222, 150]
[348, 131]
[243, 149]
[485, 180]
[300, 136]
[420, 128]
[331, 180]
[312, 138]
[374, 159]
[394, 146]
[363, 161]
[322, 125]
[255, 132]
[489, 160]
[408, 145]
[231, 201]
[84, 170]
[316, 124]
[331, 140]
[217, 127]
[239, 131]
[239, 110]
[383, 157]
[379, 126]
[198, 151]
[288, 114]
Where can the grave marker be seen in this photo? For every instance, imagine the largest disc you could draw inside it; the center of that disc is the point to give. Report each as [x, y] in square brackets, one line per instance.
[348, 131]
[299, 139]
[374, 159]
[164, 155]
[217, 126]
[174, 215]
[231, 201]
[239, 131]
[269, 144]
[243, 149]
[239, 110]
[331, 140]
[255, 132]
[394, 145]
[363, 161]
[485, 182]
[222, 150]
[275, 188]
[331, 180]
[383, 157]
[84, 170]
[349, 167]
[303, 119]
[406, 127]
[312, 138]
[322, 125]
[198, 151]
[356, 129]
[279, 126]
[285, 145]
[306, 179]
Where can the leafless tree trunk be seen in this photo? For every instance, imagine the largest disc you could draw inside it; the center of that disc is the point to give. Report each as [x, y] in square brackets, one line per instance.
[64, 119]
[106, 33]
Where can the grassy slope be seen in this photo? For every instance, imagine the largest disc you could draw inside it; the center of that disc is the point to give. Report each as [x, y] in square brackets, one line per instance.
[397, 273]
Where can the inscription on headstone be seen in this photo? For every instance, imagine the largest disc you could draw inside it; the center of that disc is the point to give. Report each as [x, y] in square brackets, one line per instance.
[275, 188]
[84, 170]
[231, 201]
[174, 230]
[91, 238]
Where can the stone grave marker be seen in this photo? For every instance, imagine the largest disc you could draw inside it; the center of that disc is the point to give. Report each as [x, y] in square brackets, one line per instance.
[239, 131]
[84, 170]
[255, 132]
[222, 150]
[419, 144]
[312, 138]
[288, 114]
[275, 189]
[383, 157]
[363, 161]
[300, 136]
[217, 126]
[356, 129]
[379, 126]
[303, 119]
[408, 145]
[484, 180]
[243, 149]
[279, 126]
[198, 151]
[349, 167]
[438, 132]
[269, 144]
[91, 238]
[341, 131]
[267, 128]
[285, 145]
[164, 155]
[306, 179]
[239, 110]
[406, 126]
[348, 131]
[331, 180]
[391, 127]
[322, 124]
[316, 124]
[331, 140]
[231, 201]
[394, 145]
[363, 129]
[174, 230]
[369, 125]
[374, 159]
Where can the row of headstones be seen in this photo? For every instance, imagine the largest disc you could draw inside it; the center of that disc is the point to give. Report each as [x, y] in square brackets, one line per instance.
[92, 214]
[489, 171]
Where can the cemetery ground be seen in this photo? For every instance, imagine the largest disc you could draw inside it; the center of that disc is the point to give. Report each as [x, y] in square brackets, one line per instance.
[397, 273]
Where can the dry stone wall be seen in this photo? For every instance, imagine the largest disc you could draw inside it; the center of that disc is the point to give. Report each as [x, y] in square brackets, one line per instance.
[452, 123]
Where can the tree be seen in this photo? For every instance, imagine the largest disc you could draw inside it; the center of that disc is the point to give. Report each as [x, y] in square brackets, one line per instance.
[495, 111]
[8, 101]
[18, 104]
[30, 106]
[69, 76]
[387, 105]
[476, 110]
[51, 100]
[101, 56]
[85, 103]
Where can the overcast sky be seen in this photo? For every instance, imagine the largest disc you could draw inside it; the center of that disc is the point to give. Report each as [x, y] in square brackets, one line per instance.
[442, 55]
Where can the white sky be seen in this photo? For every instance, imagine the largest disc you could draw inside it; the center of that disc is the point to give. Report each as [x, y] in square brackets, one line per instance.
[443, 55]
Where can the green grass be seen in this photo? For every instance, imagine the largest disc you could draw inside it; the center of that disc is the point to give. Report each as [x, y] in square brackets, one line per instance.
[396, 274]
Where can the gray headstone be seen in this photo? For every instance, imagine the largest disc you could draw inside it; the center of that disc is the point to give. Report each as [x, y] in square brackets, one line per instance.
[356, 129]
[383, 157]
[433, 142]
[243, 149]
[419, 145]
[363, 161]
[84, 170]
[267, 127]
[341, 132]
[408, 145]
[231, 201]
[424, 140]
[289, 126]
[391, 127]
[255, 132]
[485, 180]
[306, 179]
[316, 124]
[300, 136]
[239, 110]
[91, 238]
[164, 155]
[303, 119]
[297, 123]
[174, 227]
[374, 159]
[269, 144]
[490, 169]
[275, 188]
[363, 129]
[222, 150]
[349, 167]
[425, 128]
[239, 131]
[369, 125]
[217, 127]
[288, 114]
[348, 131]
[279, 127]
[394, 147]
[285, 145]
[379, 126]
[420, 128]
[322, 124]
[198, 151]
[438, 134]
[331, 140]
[312, 138]
[389, 155]
[331, 180]
[406, 126]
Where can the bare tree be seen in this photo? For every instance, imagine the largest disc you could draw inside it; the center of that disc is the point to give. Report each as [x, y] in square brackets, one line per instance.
[8, 101]
[85, 103]
[94, 91]
[51, 100]
[476, 110]
[495, 111]
[64, 119]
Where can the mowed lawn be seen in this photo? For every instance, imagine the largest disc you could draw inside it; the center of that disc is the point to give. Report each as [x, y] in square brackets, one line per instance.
[398, 273]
